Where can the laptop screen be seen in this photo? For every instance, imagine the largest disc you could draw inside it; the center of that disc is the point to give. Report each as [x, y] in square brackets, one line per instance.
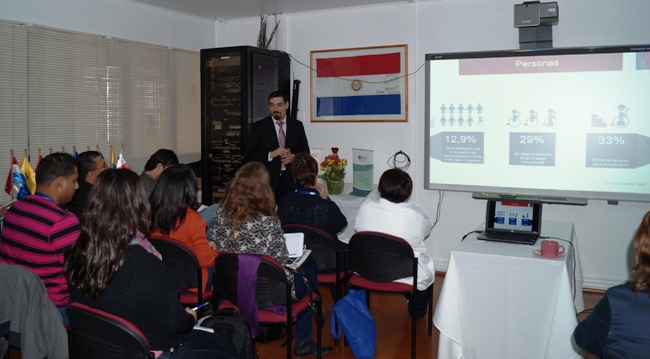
[513, 217]
[295, 244]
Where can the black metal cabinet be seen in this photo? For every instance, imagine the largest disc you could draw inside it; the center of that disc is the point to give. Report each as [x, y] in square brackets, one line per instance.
[235, 84]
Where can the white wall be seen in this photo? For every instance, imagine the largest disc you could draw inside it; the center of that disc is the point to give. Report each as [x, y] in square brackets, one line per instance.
[604, 232]
[116, 18]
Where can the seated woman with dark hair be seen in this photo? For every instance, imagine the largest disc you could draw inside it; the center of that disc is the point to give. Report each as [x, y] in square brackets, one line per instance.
[246, 223]
[174, 215]
[309, 204]
[107, 273]
[618, 326]
[387, 211]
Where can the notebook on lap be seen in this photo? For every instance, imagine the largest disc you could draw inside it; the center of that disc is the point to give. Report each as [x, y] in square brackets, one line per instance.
[512, 221]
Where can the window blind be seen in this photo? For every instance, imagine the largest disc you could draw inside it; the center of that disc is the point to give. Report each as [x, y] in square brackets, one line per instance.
[63, 89]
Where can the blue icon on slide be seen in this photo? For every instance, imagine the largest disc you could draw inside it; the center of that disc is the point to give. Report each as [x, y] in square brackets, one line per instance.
[499, 220]
[512, 221]
[526, 222]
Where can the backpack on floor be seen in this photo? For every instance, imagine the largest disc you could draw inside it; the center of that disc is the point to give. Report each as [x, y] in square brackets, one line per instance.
[230, 324]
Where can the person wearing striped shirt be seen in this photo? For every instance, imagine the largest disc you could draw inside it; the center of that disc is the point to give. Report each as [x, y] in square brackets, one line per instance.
[37, 231]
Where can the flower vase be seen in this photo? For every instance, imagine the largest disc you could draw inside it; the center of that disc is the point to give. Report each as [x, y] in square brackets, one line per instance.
[335, 187]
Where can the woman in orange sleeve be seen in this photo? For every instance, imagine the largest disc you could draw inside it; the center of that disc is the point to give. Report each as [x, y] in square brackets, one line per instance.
[174, 204]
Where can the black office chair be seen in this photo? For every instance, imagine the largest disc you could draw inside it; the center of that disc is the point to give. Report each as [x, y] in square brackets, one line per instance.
[97, 334]
[184, 268]
[327, 254]
[272, 289]
[376, 260]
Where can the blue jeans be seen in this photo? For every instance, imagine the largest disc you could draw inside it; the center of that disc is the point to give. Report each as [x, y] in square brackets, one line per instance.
[304, 323]
[208, 285]
[64, 315]
[208, 216]
[202, 345]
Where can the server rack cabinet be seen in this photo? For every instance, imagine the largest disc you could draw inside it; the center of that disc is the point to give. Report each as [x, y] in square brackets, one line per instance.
[235, 84]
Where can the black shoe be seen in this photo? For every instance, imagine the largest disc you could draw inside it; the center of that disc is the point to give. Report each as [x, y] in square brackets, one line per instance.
[420, 314]
[310, 349]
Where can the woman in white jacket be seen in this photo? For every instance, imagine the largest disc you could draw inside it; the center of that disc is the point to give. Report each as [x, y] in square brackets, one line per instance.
[387, 211]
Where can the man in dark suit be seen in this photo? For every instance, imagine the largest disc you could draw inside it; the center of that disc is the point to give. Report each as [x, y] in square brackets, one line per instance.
[274, 140]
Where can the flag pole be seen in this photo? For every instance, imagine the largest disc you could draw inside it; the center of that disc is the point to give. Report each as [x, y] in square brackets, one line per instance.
[11, 169]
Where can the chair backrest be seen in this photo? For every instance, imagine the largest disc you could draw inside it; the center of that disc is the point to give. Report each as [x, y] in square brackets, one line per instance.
[180, 260]
[272, 286]
[29, 318]
[381, 257]
[322, 245]
[97, 334]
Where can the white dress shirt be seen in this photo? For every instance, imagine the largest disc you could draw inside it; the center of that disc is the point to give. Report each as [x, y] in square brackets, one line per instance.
[404, 220]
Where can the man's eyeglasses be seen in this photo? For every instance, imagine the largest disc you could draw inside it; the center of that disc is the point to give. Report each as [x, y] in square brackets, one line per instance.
[103, 166]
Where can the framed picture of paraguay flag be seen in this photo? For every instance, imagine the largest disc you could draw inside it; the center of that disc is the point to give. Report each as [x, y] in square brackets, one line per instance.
[367, 84]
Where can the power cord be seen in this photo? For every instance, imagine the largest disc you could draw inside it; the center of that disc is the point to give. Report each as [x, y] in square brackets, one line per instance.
[467, 234]
[441, 195]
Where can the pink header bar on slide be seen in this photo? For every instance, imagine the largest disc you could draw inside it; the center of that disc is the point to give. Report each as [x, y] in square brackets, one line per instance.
[541, 64]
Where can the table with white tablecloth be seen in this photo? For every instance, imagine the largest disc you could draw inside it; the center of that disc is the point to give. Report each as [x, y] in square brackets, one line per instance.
[500, 300]
[349, 205]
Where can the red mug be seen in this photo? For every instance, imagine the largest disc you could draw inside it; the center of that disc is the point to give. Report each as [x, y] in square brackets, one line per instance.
[551, 248]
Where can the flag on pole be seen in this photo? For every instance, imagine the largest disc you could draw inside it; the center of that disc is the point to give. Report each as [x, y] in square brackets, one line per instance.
[40, 158]
[113, 161]
[29, 174]
[121, 162]
[9, 184]
[17, 182]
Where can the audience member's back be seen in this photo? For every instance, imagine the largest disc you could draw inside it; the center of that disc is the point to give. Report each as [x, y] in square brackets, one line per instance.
[309, 205]
[618, 326]
[37, 231]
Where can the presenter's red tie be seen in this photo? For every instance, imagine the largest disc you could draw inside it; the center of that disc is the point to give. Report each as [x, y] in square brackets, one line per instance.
[281, 138]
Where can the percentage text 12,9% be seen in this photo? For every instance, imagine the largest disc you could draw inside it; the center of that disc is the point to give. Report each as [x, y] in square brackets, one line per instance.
[460, 139]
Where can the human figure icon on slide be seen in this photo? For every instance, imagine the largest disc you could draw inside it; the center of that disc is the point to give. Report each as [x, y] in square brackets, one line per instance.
[443, 109]
[514, 120]
[451, 109]
[451, 121]
[460, 108]
[621, 120]
[480, 121]
[460, 120]
[479, 109]
[531, 121]
[469, 109]
[470, 121]
[443, 121]
[550, 120]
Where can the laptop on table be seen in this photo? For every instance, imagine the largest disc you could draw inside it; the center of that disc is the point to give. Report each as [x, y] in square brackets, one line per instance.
[512, 221]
